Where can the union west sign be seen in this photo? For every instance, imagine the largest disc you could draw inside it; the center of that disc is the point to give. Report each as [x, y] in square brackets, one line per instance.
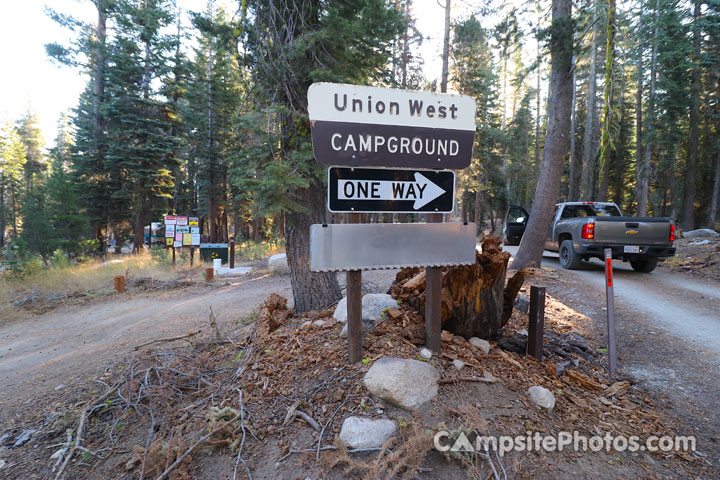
[370, 126]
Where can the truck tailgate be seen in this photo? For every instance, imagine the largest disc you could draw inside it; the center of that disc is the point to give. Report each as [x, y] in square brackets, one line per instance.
[632, 230]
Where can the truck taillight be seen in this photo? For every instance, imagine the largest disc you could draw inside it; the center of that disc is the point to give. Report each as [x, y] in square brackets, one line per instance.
[588, 231]
[672, 233]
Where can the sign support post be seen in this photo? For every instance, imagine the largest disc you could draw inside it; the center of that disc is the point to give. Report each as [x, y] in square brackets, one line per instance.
[354, 307]
[433, 297]
[536, 327]
[612, 352]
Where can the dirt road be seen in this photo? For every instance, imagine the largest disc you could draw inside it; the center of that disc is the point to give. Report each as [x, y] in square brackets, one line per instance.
[668, 331]
[40, 353]
[688, 308]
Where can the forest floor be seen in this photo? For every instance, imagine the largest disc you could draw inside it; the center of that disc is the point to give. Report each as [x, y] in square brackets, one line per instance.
[52, 364]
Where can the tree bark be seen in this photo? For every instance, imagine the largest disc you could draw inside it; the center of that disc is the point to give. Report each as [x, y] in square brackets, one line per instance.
[715, 193]
[608, 113]
[588, 162]
[311, 291]
[574, 187]
[557, 140]
[643, 183]
[446, 49]
[537, 88]
[2, 209]
[688, 212]
[638, 121]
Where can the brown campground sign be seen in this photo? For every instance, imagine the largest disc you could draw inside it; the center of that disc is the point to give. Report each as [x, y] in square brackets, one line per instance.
[385, 127]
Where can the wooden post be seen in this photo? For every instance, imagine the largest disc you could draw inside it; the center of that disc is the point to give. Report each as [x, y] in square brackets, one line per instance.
[192, 254]
[433, 286]
[232, 252]
[537, 322]
[354, 306]
[612, 352]
[173, 249]
[209, 273]
[120, 283]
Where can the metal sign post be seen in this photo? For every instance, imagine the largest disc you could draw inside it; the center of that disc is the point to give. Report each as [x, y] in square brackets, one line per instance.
[433, 299]
[612, 353]
[354, 307]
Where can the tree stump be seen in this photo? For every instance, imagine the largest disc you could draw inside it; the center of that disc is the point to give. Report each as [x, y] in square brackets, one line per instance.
[475, 301]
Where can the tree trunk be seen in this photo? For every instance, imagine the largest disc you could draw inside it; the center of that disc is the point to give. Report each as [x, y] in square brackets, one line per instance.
[688, 212]
[638, 123]
[644, 172]
[474, 299]
[2, 209]
[446, 49]
[608, 113]
[573, 187]
[588, 162]
[311, 291]
[537, 95]
[715, 193]
[557, 141]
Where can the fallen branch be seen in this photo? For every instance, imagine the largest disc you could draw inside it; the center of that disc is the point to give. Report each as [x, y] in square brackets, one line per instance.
[83, 418]
[171, 339]
[466, 379]
[182, 457]
[308, 419]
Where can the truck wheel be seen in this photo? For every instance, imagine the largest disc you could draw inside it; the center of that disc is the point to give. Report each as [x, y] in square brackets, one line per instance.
[569, 260]
[645, 265]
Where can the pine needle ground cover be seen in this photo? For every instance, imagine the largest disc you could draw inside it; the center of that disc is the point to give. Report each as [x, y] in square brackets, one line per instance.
[269, 398]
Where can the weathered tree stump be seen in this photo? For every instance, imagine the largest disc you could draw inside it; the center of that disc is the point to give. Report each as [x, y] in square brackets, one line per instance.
[475, 301]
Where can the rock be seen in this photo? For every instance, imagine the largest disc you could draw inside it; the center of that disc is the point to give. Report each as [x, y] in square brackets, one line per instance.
[701, 232]
[542, 397]
[278, 264]
[373, 305]
[358, 432]
[700, 242]
[458, 364]
[59, 387]
[318, 323]
[522, 303]
[425, 353]
[225, 271]
[341, 311]
[366, 328]
[2, 464]
[404, 383]
[484, 345]
[23, 438]
[513, 344]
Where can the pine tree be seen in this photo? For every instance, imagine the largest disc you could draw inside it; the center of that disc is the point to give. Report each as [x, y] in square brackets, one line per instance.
[69, 224]
[213, 98]
[140, 148]
[289, 45]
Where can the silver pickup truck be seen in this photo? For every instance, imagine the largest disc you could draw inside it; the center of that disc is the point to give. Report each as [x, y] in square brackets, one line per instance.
[582, 230]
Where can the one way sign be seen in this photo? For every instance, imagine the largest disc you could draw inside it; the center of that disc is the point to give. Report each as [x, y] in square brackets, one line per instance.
[390, 191]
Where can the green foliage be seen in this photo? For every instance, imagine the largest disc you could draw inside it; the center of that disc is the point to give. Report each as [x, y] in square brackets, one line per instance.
[19, 260]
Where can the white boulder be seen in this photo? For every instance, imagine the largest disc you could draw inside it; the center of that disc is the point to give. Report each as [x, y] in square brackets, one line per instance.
[358, 432]
[404, 383]
[701, 232]
[483, 345]
[278, 264]
[373, 305]
[542, 397]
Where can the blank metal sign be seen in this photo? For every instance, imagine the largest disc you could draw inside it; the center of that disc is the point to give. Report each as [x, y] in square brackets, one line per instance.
[340, 247]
